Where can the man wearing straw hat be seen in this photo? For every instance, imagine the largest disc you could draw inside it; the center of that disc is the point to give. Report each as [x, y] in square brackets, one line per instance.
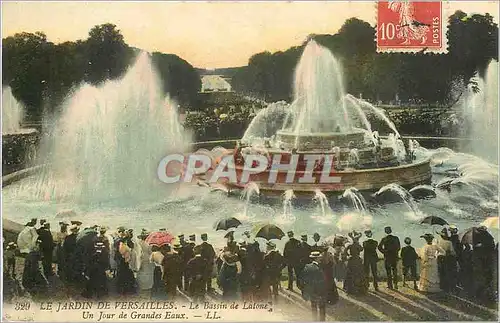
[315, 287]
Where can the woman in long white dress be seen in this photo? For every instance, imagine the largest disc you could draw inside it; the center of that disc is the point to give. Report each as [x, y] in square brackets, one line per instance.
[429, 274]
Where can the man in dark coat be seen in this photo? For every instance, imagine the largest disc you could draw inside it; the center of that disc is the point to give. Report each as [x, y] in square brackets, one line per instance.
[196, 272]
[187, 254]
[292, 258]
[46, 248]
[370, 258]
[172, 274]
[69, 250]
[315, 288]
[180, 252]
[273, 265]
[389, 246]
[208, 253]
[96, 269]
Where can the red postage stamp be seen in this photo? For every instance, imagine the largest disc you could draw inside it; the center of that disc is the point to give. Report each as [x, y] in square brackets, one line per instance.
[410, 26]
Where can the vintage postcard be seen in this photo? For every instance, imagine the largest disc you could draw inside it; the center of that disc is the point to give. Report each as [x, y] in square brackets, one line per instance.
[250, 161]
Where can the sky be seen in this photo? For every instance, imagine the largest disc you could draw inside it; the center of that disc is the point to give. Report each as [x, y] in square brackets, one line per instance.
[206, 34]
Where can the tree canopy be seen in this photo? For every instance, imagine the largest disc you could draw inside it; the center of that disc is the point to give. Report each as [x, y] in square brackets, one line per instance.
[419, 77]
[41, 73]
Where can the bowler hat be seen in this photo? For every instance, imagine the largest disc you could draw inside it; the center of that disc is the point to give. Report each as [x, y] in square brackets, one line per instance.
[388, 230]
[181, 237]
[192, 237]
[290, 233]
[369, 233]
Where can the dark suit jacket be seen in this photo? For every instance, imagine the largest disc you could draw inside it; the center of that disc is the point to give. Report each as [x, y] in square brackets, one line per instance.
[370, 250]
[292, 251]
[313, 279]
[409, 256]
[389, 246]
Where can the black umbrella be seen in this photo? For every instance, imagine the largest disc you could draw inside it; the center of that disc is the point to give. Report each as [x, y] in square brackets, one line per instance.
[432, 220]
[226, 224]
[270, 231]
[477, 235]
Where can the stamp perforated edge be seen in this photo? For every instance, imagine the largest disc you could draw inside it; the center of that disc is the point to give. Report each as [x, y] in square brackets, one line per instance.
[445, 14]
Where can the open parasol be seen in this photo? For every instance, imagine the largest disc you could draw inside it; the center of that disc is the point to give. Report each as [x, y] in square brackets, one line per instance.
[159, 238]
[270, 231]
[227, 223]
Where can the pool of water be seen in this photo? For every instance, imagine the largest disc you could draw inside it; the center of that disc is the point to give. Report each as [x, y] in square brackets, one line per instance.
[190, 209]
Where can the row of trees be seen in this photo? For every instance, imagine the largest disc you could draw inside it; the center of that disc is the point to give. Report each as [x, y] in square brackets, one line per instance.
[42, 73]
[421, 77]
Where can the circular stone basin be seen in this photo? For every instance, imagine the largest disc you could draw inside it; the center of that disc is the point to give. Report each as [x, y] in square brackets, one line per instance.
[322, 140]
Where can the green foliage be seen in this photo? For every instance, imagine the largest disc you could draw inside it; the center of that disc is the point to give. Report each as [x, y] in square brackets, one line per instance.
[420, 77]
[180, 79]
[41, 74]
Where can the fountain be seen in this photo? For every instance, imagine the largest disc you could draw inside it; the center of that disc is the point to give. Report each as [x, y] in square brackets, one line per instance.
[357, 200]
[115, 133]
[250, 190]
[481, 115]
[323, 202]
[405, 196]
[109, 140]
[18, 143]
[324, 121]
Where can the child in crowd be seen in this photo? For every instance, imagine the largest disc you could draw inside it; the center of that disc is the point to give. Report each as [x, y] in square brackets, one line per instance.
[409, 257]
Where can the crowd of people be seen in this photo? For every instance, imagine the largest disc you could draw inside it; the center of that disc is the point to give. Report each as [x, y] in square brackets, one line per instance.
[97, 264]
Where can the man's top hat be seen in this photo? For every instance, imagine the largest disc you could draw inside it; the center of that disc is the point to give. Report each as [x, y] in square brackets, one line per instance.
[369, 233]
[290, 233]
[304, 237]
[204, 236]
[42, 221]
[192, 237]
[181, 237]
[388, 230]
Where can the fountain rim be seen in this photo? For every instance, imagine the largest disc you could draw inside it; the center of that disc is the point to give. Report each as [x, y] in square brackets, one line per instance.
[320, 134]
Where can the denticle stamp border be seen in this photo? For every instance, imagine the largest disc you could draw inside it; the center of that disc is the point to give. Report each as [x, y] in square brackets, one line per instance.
[412, 48]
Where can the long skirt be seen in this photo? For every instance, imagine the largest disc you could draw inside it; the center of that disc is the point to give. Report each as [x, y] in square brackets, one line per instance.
[429, 277]
[125, 279]
[158, 291]
[355, 279]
